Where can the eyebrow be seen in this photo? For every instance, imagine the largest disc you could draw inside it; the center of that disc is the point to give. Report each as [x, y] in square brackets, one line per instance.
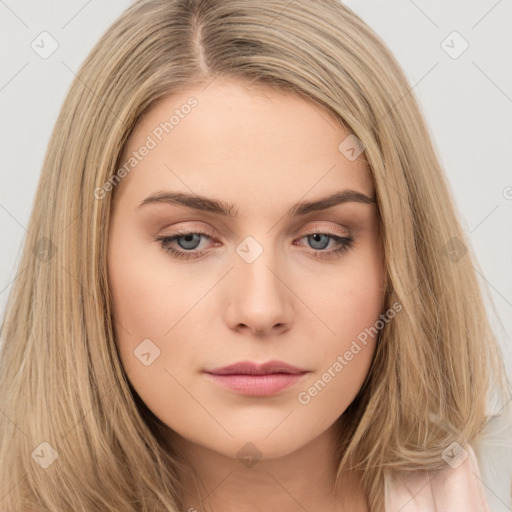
[229, 210]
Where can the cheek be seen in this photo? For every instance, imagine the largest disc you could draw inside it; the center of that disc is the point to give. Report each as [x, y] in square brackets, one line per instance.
[152, 300]
[354, 301]
[352, 311]
[150, 294]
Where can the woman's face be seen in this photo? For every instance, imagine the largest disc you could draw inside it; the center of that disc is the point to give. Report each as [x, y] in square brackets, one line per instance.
[263, 276]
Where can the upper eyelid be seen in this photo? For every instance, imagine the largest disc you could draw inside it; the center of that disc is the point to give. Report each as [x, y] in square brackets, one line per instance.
[209, 234]
[341, 231]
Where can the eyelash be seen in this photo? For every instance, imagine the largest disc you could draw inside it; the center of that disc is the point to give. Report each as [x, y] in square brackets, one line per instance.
[346, 243]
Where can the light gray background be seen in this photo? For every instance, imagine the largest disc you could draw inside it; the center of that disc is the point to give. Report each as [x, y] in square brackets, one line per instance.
[467, 102]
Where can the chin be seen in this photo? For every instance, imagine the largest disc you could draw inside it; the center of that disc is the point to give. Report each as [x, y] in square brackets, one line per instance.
[256, 446]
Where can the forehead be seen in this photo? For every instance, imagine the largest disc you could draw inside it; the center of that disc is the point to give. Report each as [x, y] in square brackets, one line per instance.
[234, 137]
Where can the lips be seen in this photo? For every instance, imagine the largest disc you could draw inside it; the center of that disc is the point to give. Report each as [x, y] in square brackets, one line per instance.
[257, 380]
[251, 368]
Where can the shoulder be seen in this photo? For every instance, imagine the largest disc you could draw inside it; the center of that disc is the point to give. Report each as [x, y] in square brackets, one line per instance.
[456, 487]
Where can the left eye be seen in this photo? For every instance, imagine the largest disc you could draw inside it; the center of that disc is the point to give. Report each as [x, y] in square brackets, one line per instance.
[189, 241]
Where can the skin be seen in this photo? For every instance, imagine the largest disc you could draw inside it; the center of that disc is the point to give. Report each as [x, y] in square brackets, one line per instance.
[262, 150]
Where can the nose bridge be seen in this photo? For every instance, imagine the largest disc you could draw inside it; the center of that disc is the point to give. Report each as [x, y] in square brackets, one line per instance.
[258, 267]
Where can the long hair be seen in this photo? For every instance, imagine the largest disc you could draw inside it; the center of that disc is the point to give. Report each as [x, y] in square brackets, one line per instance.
[74, 434]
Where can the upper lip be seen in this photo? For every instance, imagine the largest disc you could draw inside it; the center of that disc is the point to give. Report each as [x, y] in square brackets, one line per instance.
[250, 368]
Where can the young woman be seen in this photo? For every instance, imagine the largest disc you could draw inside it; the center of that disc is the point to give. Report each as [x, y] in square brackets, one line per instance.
[245, 284]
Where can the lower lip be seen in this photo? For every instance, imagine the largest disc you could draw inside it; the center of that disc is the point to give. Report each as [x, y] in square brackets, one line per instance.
[257, 385]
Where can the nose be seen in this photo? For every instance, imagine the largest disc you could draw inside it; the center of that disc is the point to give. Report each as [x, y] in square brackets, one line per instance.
[259, 297]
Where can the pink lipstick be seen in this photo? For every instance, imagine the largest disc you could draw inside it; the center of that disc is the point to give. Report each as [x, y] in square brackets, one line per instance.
[253, 379]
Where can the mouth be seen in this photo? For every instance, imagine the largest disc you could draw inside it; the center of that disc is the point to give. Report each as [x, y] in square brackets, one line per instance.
[252, 379]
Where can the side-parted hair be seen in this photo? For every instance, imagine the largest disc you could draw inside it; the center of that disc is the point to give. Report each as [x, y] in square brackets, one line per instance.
[74, 434]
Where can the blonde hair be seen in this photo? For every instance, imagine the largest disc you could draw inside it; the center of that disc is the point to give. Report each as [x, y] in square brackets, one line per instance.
[61, 380]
